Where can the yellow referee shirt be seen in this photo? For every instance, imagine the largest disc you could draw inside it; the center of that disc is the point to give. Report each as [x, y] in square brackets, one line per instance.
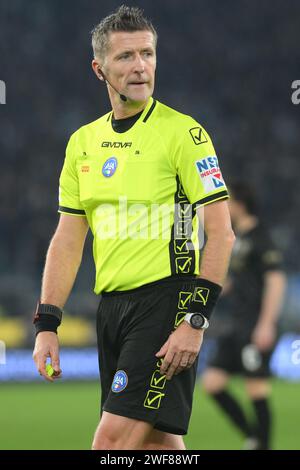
[139, 190]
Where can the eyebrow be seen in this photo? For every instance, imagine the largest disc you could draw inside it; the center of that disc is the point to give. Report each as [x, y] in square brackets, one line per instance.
[131, 51]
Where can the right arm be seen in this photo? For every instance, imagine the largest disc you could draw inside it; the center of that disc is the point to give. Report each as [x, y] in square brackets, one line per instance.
[63, 259]
[62, 264]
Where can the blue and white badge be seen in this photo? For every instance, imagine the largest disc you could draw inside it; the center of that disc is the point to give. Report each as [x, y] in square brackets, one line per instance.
[109, 167]
[120, 381]
[210, 173]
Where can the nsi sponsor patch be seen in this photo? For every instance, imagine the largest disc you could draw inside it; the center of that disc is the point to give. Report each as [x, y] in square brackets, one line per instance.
[210, 173]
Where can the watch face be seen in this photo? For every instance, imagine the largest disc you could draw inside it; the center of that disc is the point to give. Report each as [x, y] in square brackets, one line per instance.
[197, 320]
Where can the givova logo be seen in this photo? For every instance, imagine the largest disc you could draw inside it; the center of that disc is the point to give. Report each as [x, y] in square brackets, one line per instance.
[2, 92]
[116, 144]
[210, 173]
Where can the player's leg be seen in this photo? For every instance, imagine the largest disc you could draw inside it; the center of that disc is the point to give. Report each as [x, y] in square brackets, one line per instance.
[214, 380]
[224, 362]
[214, 383]
[120, 433]
[159, 440]
[221, 363]
[258, 390]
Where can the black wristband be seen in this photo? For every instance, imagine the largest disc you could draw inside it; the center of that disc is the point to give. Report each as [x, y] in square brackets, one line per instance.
[47, 317]
[46, 323]
[205, 297]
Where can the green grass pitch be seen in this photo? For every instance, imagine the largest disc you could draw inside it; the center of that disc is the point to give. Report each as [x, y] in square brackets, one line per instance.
[64, 416]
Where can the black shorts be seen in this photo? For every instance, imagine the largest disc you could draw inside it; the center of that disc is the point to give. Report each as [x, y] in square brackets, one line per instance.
[235, 354]
[132, 326]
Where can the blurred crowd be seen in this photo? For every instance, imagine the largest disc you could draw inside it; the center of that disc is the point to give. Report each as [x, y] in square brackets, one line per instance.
[229, 64]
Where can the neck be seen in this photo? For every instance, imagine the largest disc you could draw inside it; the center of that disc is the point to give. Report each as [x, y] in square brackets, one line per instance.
[125, 109]
[245, 223]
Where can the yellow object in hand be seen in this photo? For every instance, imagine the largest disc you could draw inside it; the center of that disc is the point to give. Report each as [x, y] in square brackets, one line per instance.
[49, 370]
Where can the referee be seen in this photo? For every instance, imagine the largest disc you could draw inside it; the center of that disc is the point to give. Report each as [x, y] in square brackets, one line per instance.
[139, 177]
[253, 296]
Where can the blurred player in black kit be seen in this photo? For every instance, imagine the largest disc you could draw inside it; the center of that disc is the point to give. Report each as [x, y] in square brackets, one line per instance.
[253, 294]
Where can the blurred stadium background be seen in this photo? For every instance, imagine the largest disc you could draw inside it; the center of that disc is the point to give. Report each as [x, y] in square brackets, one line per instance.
[230, 65]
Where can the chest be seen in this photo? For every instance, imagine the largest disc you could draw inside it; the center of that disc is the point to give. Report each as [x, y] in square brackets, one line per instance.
[133, 167]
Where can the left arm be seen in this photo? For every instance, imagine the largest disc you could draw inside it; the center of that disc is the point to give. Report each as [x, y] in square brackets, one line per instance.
[183, 345]
[264, 333]
[220, 240]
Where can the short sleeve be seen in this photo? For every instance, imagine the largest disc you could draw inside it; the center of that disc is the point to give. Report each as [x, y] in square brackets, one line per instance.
[69, 201]
[198, 167]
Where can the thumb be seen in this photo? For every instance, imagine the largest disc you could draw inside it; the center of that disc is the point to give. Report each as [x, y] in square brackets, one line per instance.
[55, 361]
[163, 350]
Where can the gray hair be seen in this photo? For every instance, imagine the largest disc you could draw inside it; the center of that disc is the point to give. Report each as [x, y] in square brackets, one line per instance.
[123, 19]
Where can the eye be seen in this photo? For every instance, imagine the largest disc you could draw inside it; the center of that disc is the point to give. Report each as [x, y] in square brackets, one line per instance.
[126, 55]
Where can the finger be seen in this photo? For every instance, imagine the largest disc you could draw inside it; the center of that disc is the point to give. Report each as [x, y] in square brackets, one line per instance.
[41, 365]
[184, 359]
[163, 350]
[55, 363]
[184, 362]
[35, 358]
[173, 366]
[57, 374]
[166, 362]
[171, 371]
[191, 360]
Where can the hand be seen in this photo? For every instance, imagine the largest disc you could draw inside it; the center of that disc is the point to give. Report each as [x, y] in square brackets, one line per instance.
[180, 350]
[264, 336]
[46, 345]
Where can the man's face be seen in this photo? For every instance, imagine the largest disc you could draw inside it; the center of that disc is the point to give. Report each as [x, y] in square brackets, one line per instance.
[130, 63]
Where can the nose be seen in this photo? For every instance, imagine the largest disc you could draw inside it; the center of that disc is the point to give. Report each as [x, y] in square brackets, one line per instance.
[139, 64]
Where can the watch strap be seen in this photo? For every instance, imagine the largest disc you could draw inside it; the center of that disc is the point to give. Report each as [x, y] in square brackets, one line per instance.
[47, 309]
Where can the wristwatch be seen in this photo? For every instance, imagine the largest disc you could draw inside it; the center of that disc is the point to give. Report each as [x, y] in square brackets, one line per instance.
[197, 321]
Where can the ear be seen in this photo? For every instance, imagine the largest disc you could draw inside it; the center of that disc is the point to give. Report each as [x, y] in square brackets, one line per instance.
[97, 70]
[100, 74]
